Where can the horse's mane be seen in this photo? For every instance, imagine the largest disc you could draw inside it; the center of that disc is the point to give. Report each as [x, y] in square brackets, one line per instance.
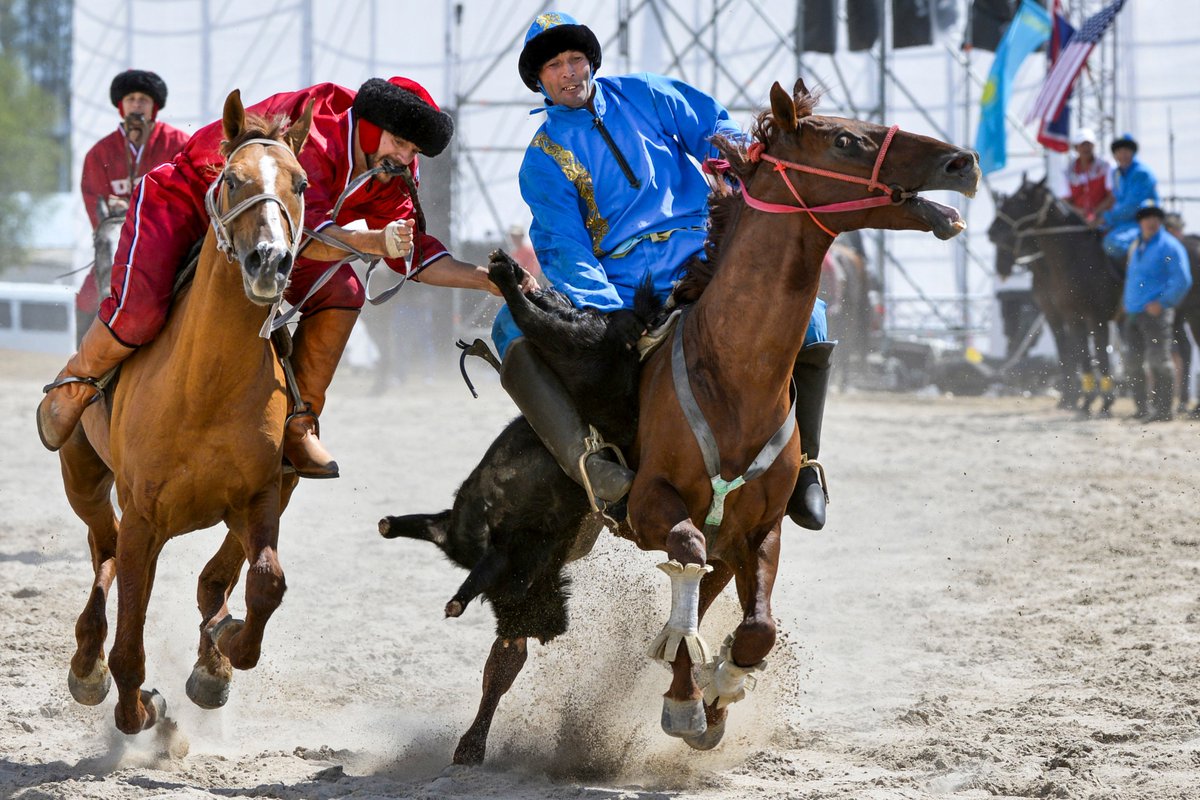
[724, 210]
[257, 127]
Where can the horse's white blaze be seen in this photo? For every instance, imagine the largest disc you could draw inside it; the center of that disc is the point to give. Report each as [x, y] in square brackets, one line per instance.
[268, 169]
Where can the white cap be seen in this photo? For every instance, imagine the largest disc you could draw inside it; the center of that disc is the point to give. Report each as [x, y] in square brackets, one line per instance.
[1083, 135]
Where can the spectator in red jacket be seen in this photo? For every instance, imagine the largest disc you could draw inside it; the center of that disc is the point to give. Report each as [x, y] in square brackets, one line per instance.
[115, 163]
[384, 123]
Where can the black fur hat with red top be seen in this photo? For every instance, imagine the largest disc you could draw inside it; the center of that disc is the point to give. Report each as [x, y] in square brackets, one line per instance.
[138, 80]
[403, 108]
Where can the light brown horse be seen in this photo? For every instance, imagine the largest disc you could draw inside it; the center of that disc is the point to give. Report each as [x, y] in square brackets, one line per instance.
[192, 436]
[740, 341]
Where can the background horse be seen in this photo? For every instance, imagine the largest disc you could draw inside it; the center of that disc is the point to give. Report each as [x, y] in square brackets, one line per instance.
[733, 353]
[192, 436]
[1075, 285]
[1188, 313]
[111, 213]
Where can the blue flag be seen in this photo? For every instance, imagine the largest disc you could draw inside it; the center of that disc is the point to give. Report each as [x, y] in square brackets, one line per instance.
[1028, 31]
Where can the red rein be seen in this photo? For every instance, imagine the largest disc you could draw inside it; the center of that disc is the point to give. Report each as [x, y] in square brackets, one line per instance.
[755, 153]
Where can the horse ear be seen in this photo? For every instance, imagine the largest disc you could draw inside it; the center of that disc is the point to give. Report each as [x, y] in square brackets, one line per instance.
[1042, 182]
[783, 108]
[799, 89]
[297, 133]
[233, 120]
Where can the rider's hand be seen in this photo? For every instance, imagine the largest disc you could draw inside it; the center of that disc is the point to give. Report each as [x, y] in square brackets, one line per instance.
[1154, 308]
[527, 282]
[398, 238]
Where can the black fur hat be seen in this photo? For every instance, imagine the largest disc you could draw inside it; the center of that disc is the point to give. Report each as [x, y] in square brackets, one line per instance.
[138, 80]
[403, 107]
[549, 35]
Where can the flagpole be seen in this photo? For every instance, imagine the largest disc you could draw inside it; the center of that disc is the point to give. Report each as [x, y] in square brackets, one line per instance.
[1171, 159]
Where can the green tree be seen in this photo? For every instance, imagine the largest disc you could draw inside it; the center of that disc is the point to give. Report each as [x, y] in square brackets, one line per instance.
[29, 156]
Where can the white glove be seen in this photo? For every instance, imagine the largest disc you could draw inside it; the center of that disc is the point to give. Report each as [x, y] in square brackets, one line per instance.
[397, 238]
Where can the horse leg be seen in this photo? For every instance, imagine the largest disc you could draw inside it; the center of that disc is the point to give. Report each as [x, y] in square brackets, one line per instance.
[1067, 387]
[727, 679]
[208, 685]
[503, 665]
[1107, 387]
[660, 508]
[88, 483]
[1077, 348]
[258, 528]
[137, 557]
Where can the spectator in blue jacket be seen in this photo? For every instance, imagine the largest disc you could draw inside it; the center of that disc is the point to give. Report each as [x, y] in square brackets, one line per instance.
[1133, 185]
[615, 198]
[1158, 277]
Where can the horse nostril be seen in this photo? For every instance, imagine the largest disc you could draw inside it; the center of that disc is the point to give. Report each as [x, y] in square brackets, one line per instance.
[962, 163]
[285, 265]
[252, 262]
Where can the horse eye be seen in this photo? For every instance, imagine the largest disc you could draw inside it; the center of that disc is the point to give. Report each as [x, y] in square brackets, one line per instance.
[301, 186]
[843, 141]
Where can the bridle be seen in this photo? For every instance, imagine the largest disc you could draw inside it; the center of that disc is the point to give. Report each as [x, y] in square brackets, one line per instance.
[1033, 223]
[217, 196]
[892, 195]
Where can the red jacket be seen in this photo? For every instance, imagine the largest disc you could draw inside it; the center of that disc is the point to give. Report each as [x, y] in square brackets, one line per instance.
[112, 166]
[328, 158]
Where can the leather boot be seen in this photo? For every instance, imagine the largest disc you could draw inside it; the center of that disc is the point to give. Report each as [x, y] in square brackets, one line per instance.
[75, 387]
[548, 408]
[317, 348]
[806, 507]
[1164, 391]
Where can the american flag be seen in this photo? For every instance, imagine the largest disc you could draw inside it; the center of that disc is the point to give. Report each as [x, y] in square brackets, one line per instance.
[1057, 88]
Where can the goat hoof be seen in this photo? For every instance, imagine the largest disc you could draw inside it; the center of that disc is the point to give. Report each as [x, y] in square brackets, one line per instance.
[683, 718]
[91, 689]
[455, 608]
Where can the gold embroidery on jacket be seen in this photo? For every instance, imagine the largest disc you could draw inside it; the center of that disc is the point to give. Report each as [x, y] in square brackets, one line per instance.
[577, 174]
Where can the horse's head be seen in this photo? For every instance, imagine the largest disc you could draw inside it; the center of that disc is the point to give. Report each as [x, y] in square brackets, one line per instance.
[257, 203]
[111, 215]
[1016, 216]
[854, 174]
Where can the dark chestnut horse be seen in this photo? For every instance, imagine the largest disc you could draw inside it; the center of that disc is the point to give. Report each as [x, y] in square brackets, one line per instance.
[1075, 285]
[192, 436]
[739, 342]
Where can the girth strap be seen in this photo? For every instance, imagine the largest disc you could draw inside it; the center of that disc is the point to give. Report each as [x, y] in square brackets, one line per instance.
[708, 442]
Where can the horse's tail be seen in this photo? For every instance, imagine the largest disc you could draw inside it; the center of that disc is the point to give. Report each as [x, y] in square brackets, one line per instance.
[426, 527]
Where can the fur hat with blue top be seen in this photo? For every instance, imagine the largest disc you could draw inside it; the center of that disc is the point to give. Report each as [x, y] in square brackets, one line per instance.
[550, 34]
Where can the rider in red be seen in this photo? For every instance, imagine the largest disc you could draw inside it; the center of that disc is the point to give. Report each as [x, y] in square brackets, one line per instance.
[139, 144]
[386, 123]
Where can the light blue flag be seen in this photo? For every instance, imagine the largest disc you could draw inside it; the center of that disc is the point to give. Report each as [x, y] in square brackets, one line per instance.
[1028, 31]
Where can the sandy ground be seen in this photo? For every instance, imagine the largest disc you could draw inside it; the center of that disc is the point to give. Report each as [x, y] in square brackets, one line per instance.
[1005, 603]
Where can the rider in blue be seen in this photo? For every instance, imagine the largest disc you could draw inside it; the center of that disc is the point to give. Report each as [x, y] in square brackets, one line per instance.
[1133, 185]
[615, 198]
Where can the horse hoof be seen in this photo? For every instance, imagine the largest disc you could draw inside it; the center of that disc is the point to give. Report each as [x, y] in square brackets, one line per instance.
[207, 690]
[683, 718]
[93, 688]
[709, 739]
[469, 753]
[228, 626]
[455, 608]
[156, 708]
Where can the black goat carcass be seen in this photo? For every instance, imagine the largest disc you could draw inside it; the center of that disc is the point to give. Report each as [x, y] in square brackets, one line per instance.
[518, 517]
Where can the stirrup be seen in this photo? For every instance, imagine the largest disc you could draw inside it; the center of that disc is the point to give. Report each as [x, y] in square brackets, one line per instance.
[592, 444]
[63, 381]
[805, 461]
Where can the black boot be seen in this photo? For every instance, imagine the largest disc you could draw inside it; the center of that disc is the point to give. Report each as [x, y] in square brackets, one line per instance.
[806, 507]
[1164, 391]
[1137, 388]
[543, 400]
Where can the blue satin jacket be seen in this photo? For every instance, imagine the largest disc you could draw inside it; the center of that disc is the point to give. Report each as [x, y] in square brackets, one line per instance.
[1131, 188]
[591, 216]
[1159, 269]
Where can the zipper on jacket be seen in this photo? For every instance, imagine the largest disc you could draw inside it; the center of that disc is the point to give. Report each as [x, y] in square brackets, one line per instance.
[612, 146]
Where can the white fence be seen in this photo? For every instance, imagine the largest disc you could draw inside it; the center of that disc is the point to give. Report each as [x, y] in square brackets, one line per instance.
[38, 317]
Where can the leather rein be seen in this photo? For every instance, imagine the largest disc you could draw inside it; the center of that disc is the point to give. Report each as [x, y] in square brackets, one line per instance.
[756, 152]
